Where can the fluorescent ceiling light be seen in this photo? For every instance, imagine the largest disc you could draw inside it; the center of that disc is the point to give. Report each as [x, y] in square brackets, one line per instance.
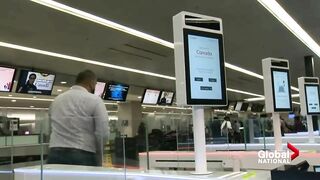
[93, 18]
[88, 61]
[13, 100]
[244, 92]
[254, 99]
[102, 21]
[24, 108]
[294, 102]
[168, 107]
[63, 82]
[277, 11]
[295, 95]
[25, 98]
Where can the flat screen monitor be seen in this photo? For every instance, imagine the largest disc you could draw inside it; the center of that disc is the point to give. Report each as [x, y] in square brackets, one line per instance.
[6, 79]
[99, 89]
[166, 98]
[312, 98]
[281, 90]
[231, 106]
[316, 168]
[205, 71]
[32, 82]
[238, 106]
[116, 92]
[257, 107]
[150, 96]
[244, 107]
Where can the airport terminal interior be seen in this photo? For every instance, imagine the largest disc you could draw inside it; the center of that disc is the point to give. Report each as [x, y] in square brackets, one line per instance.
[205, 89]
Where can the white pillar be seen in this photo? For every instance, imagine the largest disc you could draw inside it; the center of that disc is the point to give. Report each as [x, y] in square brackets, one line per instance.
[199, 140]
[310, 129]
[277, 131]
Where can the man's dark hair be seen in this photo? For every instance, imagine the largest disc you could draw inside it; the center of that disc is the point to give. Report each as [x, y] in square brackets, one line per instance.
[85, 76]
[33, 74]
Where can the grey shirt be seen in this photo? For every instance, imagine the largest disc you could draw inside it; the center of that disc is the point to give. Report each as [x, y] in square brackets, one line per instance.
[79, 120]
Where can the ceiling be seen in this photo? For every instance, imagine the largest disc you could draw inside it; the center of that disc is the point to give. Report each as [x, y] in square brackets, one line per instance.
[251, 33]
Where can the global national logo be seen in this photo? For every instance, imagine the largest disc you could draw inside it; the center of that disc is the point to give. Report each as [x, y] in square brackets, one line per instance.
[278, 157]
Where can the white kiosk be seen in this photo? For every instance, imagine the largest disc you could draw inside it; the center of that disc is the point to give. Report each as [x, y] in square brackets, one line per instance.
[277, 93]
[200, 72]
[309, 101]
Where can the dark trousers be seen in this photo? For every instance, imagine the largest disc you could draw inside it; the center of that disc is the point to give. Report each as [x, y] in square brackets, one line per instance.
[71, 156]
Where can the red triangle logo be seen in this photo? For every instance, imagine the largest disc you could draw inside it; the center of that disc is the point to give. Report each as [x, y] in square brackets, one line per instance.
[294, 150]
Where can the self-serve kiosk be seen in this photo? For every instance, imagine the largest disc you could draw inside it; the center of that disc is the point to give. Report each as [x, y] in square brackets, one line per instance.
[309, 100]
[277, 92]
[200, 72]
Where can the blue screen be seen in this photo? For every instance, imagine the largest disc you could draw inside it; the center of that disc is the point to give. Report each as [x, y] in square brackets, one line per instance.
[116, 92]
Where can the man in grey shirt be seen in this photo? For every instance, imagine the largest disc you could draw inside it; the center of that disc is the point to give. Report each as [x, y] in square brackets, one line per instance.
[79, 123]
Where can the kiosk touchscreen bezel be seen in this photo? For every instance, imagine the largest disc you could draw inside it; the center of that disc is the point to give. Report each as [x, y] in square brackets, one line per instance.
[219, 37]
[13, 76]
[305, 90]
[273, 90]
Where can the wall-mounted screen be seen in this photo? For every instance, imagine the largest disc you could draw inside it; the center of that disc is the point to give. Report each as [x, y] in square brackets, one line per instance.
[150, 96]
[244, 107]
[238, 106]
[31, 82]
[281, 90]
[312, 99]
[116, 92]
[257, 107]
[99, 89]
[166, 98]
[205, 73]
[6, 79]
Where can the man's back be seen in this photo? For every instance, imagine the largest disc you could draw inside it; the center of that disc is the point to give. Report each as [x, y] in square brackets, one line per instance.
[78, 118]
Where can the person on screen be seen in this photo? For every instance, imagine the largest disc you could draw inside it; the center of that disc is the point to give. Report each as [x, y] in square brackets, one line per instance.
[163, 100]
[29, 86]
[282, 88]
[79, 123]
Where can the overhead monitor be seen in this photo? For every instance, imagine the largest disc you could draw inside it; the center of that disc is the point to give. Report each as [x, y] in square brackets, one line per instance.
[204, 64]
[244, 107]
[116, 92]
[99, 89]
[238, 106]
[32, 82]
[150, 96]
[6, 79]
[312, 98]
[166, 98]
[257, 107]
[281, 89]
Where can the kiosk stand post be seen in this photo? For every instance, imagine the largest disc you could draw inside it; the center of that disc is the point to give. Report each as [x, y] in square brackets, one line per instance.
[199, 140]
[277, 131]
[310, 129]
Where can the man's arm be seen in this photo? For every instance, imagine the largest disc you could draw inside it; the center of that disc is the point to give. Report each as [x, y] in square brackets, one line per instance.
[101, 128]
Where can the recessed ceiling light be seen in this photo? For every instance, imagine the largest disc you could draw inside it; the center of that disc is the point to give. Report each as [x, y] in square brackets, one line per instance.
[59, 90]
[13, 100]
[32, 106]
[34, 97]
[144, 107]
[63, 82]
[139, 97]
[10, 95]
